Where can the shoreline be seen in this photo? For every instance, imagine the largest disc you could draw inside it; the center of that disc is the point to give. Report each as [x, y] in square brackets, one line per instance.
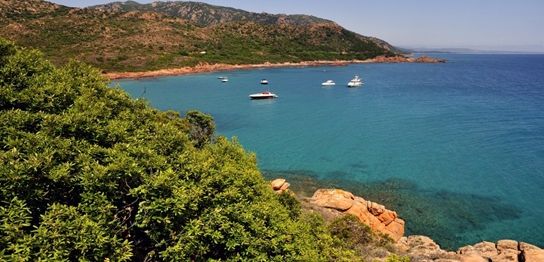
[331, 203]
[208, 68]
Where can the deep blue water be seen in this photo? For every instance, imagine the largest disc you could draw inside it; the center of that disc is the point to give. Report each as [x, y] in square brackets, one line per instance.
[456, 148]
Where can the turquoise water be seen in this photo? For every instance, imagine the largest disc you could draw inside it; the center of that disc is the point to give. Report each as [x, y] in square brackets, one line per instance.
[456, 148]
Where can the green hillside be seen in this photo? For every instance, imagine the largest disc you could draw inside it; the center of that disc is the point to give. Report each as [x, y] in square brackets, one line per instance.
[136, 37]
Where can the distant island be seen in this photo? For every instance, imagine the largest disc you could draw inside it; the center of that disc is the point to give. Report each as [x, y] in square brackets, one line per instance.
[128, 36]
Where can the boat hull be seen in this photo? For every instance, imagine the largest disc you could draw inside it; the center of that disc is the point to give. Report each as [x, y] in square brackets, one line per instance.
[262, 97]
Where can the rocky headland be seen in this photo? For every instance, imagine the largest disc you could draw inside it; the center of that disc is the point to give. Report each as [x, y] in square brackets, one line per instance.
[335, 203]
[206, 68]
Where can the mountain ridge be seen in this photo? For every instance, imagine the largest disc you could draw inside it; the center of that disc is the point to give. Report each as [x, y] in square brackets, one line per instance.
[129, 36]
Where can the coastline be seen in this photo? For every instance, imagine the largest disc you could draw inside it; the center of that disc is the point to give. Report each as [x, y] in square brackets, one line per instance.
[206, 68]
[333, 203]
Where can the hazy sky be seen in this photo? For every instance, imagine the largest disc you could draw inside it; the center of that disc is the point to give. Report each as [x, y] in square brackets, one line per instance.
[515, 25]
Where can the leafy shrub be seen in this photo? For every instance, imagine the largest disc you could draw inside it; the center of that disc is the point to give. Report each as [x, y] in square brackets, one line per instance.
[397, 258]
[86, 173]
[291, 203]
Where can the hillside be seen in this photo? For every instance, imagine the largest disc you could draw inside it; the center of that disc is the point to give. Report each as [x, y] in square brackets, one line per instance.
[128, 36]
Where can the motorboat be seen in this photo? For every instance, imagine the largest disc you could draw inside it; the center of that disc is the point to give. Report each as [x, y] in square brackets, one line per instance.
[263, 95]
[221, 77]
[264, 82]
[328, 83]
[224, 80]
[355, 82]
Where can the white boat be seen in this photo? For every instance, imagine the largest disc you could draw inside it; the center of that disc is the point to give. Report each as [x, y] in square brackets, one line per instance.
[355, 82]
[328, 83]
[224, 80]
[263, 95]
[264, 82]
[221, 77]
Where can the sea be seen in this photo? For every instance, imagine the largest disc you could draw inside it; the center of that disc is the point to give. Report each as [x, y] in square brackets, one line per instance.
[456, 149]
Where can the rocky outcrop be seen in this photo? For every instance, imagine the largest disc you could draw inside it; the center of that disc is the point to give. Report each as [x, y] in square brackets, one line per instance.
[376, 216]
[279, 185]
[423, 249]
[333, 203]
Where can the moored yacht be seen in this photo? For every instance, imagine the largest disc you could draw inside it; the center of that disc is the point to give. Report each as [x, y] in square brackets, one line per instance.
[328, 83]
[263, 95]
[355, 82]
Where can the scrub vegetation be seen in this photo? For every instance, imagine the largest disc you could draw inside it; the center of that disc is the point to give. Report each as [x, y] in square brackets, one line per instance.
[89, 174]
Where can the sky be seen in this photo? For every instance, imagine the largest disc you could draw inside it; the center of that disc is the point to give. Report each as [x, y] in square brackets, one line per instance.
[498, 25]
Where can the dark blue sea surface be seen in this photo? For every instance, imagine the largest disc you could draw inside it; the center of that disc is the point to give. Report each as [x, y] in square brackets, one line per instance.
[456, 148]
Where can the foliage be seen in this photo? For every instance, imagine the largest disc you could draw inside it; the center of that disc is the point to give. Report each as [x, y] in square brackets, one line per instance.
[201, 127]
[397, 258]
[359, 237]
[289, 201]
[86, 173]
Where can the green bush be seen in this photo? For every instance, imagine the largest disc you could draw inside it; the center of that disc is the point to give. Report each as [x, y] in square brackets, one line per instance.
[87, 173]
[291, 203]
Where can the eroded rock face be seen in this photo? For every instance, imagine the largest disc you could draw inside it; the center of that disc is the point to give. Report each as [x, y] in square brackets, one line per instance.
[372, 214]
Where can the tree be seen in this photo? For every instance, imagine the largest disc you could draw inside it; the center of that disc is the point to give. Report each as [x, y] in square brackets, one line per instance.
[87, 173]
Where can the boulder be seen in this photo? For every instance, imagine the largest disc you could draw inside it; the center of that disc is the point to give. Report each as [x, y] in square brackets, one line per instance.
[284, 186]
[333, 198]
[486, 249]
[376, 216]
[506, 244]
[395, 229]
[531, 253]
[387, 217]
[277, 183]
[473, 258]
[508, 251]
[423, 248]
[375, 208]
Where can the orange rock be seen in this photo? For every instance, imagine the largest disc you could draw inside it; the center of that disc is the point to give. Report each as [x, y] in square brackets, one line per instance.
[396, 229]
[473, 258]
[284, 186]
[506, 244]
[531, 253]
[277, 183]
[333, 198]
[486, 249]
[387, 217]
[375, 208]
[360, 210]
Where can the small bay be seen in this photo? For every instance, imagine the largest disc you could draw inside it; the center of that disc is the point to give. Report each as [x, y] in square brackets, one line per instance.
[456, 148]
